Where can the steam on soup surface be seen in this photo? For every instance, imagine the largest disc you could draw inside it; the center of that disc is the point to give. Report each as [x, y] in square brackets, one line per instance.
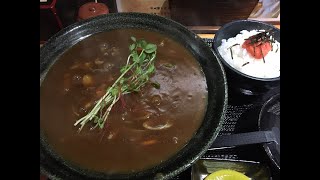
[144, 128]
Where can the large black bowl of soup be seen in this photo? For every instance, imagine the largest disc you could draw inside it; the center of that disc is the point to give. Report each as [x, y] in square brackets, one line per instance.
[155, 133]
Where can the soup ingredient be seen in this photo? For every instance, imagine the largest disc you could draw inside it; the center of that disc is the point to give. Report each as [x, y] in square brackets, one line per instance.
[134, 75]
[156, 125]
[155, 85]
[254, 53]
[87, 80]
[227, 174]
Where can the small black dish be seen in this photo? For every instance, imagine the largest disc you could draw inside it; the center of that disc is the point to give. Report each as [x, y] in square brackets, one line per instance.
[238, 81]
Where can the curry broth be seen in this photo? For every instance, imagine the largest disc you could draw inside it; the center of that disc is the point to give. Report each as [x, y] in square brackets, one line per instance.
[143, 129]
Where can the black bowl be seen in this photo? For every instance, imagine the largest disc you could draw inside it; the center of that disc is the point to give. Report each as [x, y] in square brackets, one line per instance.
[238, 81]
[56, 167]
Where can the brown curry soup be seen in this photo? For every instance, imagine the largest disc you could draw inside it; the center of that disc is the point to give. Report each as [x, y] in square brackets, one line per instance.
[145, 128]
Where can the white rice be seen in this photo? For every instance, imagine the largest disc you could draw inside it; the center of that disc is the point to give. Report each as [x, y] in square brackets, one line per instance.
[255, 68]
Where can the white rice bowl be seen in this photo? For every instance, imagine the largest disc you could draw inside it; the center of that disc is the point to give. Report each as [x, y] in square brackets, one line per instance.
[256, 67]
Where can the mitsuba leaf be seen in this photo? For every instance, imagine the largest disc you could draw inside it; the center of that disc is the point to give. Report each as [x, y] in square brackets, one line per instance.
[132, 46]
[143, 44]
[142, 57]
[150, 48]
[135, 57]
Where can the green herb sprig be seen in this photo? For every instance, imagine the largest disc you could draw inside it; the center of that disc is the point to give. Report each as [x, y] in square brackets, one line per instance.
[134, 75]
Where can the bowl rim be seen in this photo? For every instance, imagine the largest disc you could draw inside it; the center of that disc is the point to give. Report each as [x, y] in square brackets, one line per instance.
[226, 63]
